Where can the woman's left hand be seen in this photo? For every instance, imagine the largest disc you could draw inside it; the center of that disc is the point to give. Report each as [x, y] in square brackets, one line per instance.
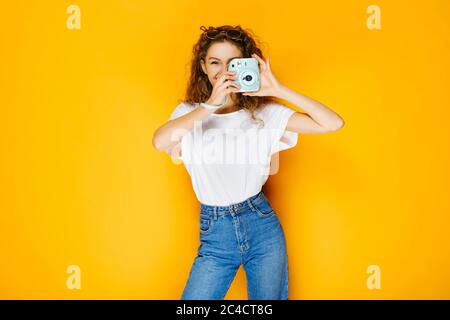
[269, 85]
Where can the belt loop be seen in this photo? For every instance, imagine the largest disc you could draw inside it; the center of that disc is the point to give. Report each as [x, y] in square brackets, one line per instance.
[250, 204]
[215, 213]
[262, 195]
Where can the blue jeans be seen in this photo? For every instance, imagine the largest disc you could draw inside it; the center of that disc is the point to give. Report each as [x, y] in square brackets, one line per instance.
[247, 233]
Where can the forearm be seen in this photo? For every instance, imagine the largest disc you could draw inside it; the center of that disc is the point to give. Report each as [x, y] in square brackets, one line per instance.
[320, 113]
[172, 131]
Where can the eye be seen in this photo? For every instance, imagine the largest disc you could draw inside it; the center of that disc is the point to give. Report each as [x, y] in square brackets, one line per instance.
[214, 62]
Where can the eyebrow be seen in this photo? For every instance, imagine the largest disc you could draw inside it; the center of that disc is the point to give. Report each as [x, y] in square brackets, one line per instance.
[219, 59]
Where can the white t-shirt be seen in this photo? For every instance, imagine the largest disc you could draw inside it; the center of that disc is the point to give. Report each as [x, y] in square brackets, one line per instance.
[228, 155]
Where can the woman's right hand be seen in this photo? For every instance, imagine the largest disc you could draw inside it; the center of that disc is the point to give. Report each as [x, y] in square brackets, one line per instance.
[169, 135]
[223, 87]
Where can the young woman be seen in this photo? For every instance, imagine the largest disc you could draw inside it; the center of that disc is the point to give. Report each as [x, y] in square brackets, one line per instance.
[227, 140]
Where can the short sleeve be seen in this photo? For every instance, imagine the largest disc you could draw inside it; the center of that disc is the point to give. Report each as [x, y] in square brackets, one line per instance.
[180, 110]
[276, 117]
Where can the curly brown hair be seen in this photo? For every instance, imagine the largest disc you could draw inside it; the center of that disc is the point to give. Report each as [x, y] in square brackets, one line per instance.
[199, 88]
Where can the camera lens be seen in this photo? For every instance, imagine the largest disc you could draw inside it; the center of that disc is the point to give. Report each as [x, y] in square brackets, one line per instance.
[249, 77]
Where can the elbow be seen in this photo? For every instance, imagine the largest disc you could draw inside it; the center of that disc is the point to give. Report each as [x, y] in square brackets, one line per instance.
[162, 140]
[156, 142]
[337, 125]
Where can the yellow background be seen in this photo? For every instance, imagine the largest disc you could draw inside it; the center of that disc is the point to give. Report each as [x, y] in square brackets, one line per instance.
[82, 185]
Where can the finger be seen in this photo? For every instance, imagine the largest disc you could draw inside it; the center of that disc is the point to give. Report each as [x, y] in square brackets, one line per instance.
[229, 84]
[229, 75]
[233, 84]
[232, 89]
[261, 61]
[221, 79]
[224, 78]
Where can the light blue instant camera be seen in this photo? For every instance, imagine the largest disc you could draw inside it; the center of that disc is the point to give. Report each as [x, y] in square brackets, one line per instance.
[247, 72]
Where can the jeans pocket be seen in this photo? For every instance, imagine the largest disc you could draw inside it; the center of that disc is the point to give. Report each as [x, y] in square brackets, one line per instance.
[262, 206]
[206, 223]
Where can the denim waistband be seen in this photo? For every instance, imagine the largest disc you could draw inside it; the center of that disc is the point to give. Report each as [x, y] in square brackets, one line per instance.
[232, 208]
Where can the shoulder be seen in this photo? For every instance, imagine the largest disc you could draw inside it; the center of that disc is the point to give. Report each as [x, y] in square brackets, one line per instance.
[181, 109]
[275, 112]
